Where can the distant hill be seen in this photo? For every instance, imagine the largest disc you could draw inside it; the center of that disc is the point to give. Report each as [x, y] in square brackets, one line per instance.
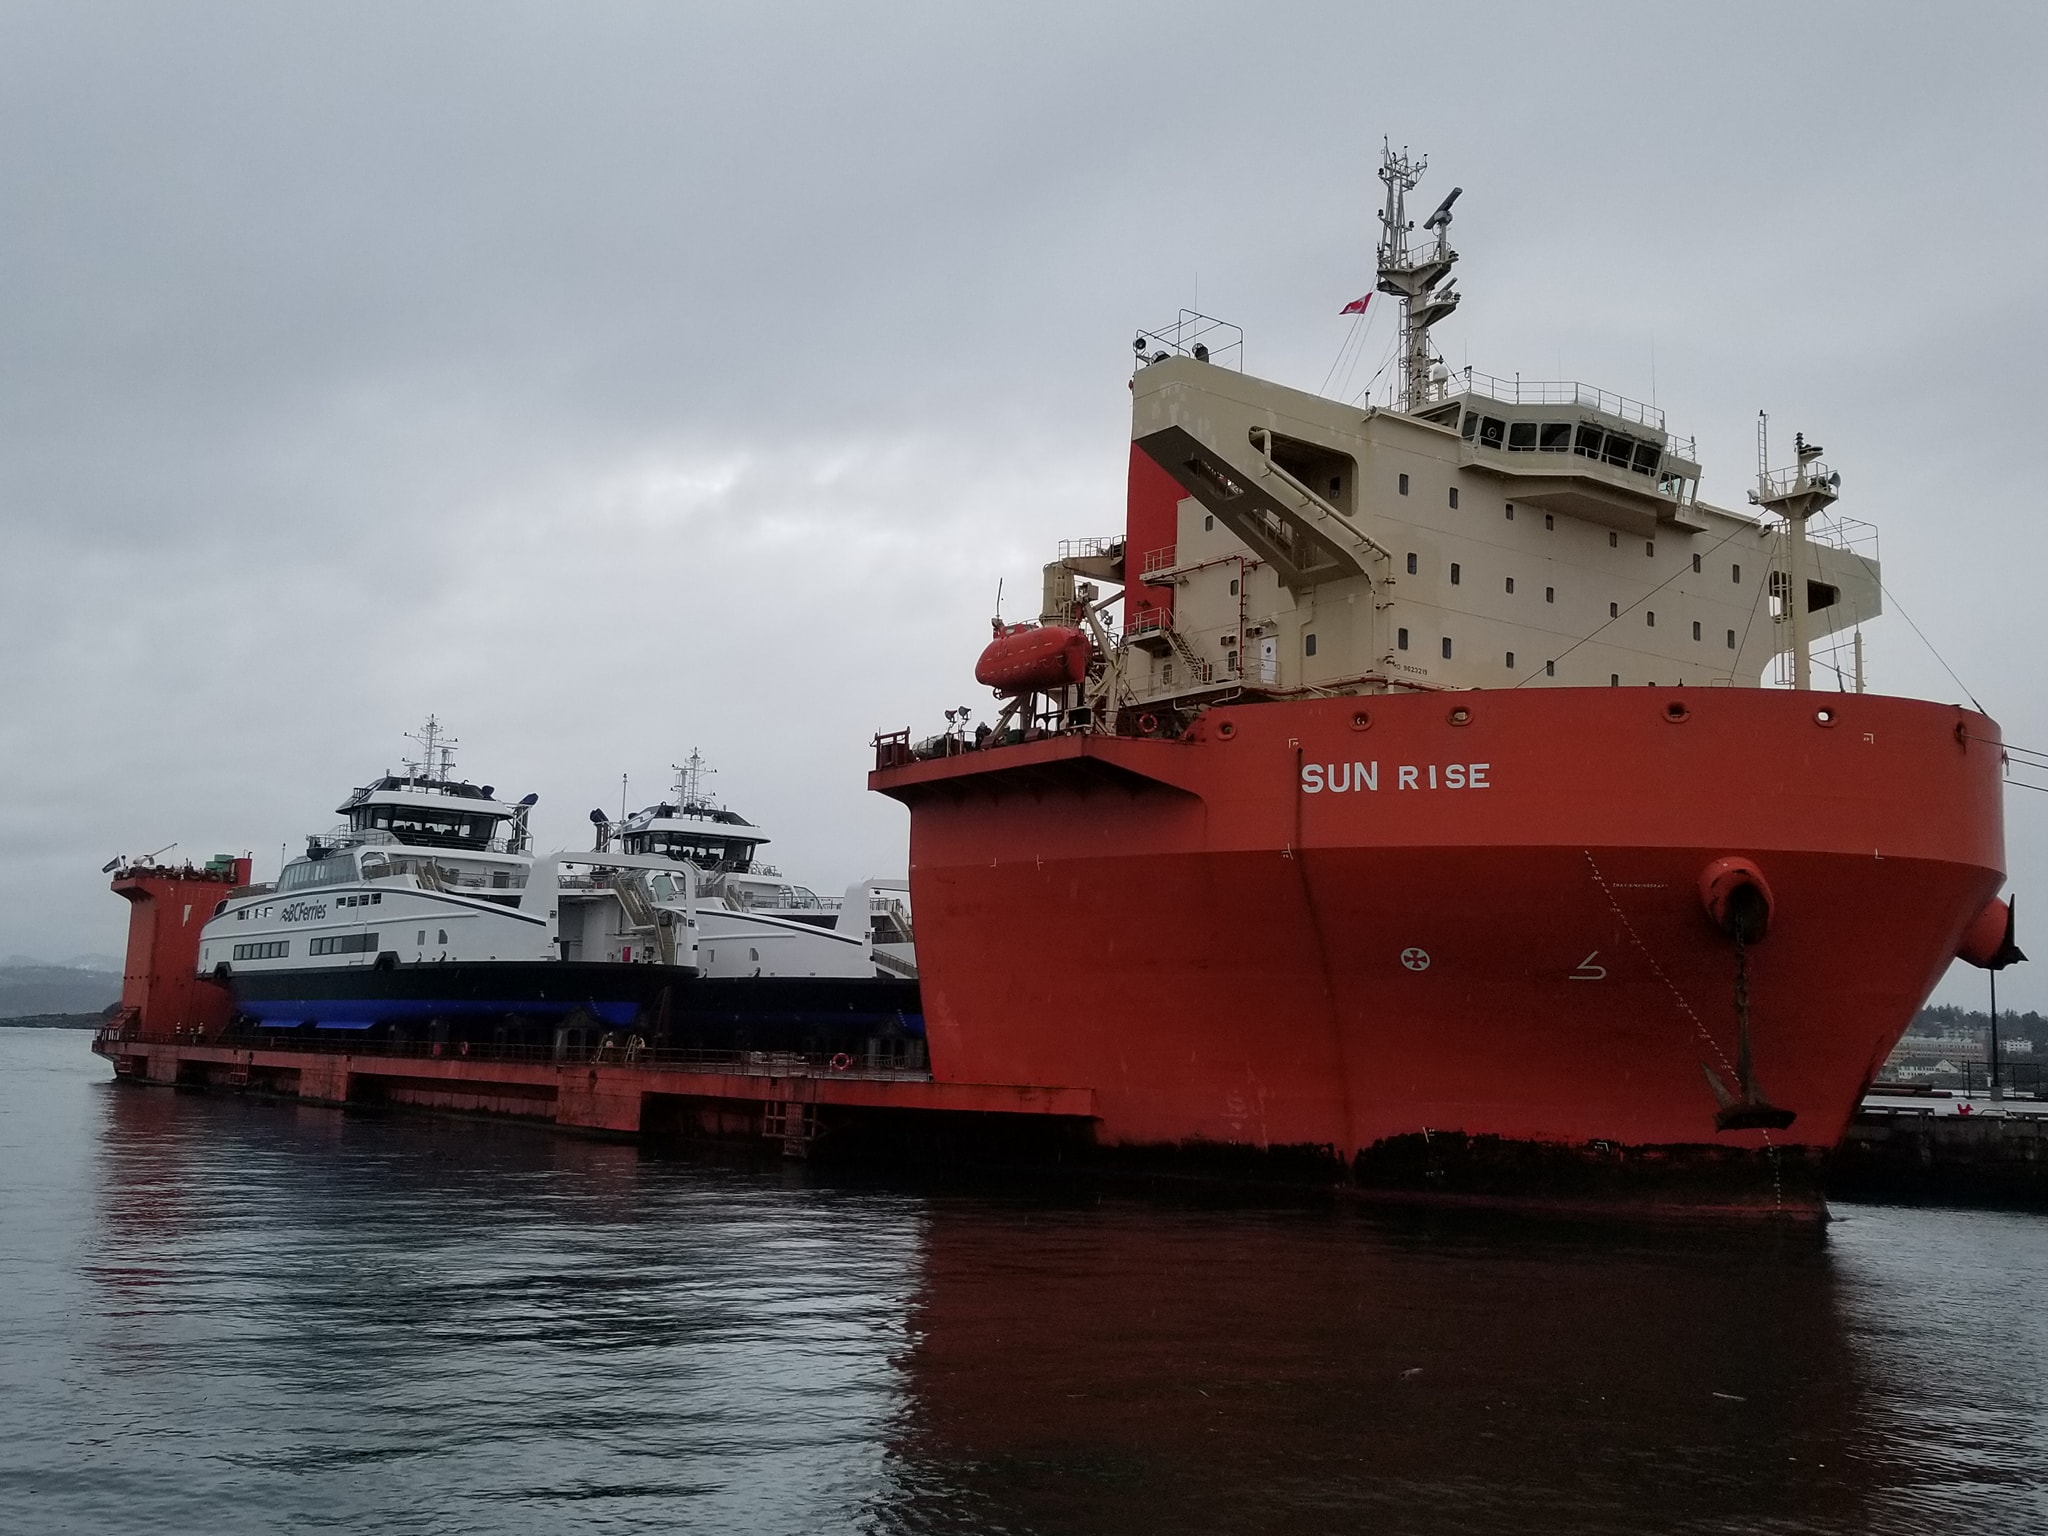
[28, 989]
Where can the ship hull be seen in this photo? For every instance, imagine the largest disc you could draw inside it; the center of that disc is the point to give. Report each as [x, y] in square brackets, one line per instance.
[684, 1008]
[1485, 950]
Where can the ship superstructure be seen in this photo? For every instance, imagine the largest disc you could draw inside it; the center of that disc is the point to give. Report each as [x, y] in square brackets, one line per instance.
[1432, 794]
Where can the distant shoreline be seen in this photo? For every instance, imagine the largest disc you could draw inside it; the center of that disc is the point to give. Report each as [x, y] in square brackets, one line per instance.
[55, 1021]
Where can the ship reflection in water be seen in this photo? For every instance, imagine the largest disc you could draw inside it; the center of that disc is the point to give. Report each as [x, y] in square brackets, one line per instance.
[230, 1316]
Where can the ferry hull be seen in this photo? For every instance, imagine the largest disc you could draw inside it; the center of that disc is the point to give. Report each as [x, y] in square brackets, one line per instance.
[1513, 958]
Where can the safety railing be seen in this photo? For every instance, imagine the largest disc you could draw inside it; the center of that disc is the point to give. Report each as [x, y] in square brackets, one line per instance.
[1520, 391]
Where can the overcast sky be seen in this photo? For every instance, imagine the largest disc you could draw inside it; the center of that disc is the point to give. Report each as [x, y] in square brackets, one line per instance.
[618, 379]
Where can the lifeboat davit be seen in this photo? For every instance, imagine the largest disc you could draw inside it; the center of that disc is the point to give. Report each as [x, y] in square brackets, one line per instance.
[1034, 658]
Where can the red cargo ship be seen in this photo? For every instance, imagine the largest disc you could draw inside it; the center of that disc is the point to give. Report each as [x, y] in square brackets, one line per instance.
[1432, 812]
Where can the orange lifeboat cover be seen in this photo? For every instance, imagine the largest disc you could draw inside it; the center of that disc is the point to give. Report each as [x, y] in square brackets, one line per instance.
[1028, 658]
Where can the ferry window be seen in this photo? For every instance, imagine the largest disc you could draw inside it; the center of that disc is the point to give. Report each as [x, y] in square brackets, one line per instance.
[423, 936]
[1695, 629]
[1233, 588]
[1454, 573]
[1454, 498]
[1550, 594]
[1308, 645]
[1557, 436]
[1589, 442]
[1411, 564]
[1404, 485]
[1447, 647]
[263, 949]
[1614, 541]
[1614, 610]
[1471, 424]
[1731, 639]
[1401, 639]
[344, 944]
[1511, 586]
[1695, 564]
[1511, 661]
[1550, 669]
[1549, 521]
[1491, 430]
[1735, 573]
[1522, 437]
[444, 934]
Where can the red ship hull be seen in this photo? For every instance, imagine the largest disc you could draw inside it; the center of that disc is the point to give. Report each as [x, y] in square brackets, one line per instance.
[1507, 944]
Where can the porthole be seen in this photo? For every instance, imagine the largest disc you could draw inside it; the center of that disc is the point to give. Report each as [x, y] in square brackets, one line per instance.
[1460, 716]
[1226, 729]
[1676, 712]
[1823, 716]
[1361, 721]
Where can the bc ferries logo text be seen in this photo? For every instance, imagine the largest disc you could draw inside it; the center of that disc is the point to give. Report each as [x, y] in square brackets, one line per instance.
[303, 911]
[1364, 778]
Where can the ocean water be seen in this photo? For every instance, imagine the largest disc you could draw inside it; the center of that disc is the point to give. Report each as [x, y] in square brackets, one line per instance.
[224, 1315]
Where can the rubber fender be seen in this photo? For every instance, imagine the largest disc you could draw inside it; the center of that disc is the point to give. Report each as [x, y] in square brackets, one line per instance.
[1737, 898]
[1988, 942]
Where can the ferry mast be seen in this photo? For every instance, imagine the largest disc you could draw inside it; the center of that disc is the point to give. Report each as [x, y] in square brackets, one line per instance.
[1417, 274]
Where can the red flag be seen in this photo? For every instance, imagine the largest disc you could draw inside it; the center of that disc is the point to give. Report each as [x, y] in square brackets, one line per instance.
[1356, 306]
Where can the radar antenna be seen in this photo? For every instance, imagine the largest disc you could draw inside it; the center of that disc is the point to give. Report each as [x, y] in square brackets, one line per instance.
[1796, 494]
[1415, 274]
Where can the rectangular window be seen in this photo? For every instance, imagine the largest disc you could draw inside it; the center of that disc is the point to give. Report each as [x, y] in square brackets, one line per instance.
[1614, 541]
[1549, 522]
[1614, 610]
[1411, 564]
[1511, 661]
[1491, 431]
[344, 944]
[1521, 437]
[1233, 589]
[1401, 639]
[1695, 629]
[1308, 645]
[1614, 679]
[1404, 485]
[1731, 639]
[1454, 573]
[423, 936]
[1557, 436]
[1550, 669]
[1447, 647]
[1550, 594]
[1511, 511]
[1695, 565]
[1650, 617]
[1735, 574]
[1511, 586]
[1650, 548]
[265, 949]
[1471, 424]
[1454, 498]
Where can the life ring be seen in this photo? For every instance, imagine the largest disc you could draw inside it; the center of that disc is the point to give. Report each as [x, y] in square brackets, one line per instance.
[1148, 724]
[841, 1061]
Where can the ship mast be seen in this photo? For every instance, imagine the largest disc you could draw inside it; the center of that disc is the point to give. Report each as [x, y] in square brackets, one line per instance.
[1413, 273]
[690, 776]
[437, 752]
[1796, 494]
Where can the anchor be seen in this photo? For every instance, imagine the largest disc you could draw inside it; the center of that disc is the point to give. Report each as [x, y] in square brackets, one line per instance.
[1739, 902]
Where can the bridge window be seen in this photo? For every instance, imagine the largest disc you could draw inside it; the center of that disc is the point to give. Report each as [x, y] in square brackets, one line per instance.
[1522, 437]
[1616, 449]
[1647, 455]
[1557, 436]
[1491, 431]
[1588, 442]
[1471, 425]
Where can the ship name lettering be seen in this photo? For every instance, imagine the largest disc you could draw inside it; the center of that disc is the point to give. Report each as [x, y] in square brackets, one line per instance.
[1342, 778]
[303, 911]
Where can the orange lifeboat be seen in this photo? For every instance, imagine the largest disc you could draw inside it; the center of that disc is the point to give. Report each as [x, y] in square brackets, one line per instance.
[1034, 658]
